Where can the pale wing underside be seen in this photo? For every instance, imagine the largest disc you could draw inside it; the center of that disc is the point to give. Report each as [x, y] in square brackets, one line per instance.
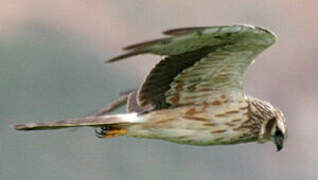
[203, 64]
[217, 76]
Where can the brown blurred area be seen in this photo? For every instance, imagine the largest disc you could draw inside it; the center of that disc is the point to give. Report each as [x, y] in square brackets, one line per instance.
[51, 67]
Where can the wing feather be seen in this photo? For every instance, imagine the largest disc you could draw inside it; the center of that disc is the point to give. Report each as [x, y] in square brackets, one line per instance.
[203, 64]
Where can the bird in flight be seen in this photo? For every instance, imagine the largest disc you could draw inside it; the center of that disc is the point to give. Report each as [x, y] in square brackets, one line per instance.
[195, 94]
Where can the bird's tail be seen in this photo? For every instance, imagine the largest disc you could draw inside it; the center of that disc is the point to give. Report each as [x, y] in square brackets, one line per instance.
[111, 125]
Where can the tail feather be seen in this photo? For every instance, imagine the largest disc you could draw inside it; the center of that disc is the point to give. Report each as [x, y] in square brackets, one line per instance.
[94, 121]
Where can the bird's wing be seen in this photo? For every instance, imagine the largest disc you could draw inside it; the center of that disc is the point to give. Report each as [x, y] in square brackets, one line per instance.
[203, 64]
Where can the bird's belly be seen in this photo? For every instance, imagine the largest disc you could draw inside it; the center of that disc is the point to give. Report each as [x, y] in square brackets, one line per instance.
[196, 125]
[192, 136]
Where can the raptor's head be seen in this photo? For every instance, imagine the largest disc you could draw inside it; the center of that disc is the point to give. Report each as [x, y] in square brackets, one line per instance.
[273, 126]
[278, 129]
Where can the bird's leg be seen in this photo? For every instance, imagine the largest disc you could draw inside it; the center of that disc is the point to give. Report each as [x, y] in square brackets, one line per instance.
[108, 132]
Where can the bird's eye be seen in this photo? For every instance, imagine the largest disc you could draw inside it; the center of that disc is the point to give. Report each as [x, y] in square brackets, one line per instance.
[278, 133]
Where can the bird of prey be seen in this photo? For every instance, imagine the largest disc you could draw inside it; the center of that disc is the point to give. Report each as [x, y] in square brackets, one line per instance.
[195, 94]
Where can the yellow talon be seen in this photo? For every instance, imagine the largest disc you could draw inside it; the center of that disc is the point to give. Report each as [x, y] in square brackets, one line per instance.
[113, 133]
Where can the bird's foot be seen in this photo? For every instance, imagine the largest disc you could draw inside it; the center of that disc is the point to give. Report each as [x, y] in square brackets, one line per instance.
[108, 132]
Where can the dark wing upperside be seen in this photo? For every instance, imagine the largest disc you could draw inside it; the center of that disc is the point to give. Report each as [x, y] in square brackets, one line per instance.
[202, 64]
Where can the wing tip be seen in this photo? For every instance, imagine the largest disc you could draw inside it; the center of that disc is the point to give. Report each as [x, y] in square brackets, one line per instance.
[124, 56]
[141, 45]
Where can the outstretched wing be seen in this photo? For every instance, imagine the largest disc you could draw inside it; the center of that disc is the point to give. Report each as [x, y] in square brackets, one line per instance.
[203, 64]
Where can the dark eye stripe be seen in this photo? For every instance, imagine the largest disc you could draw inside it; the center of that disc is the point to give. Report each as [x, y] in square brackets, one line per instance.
[270, 124]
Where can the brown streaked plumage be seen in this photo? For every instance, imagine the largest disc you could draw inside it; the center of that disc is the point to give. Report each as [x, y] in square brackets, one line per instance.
[195, 94]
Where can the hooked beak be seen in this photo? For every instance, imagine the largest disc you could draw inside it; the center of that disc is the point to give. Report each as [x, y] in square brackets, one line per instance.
[279, 142]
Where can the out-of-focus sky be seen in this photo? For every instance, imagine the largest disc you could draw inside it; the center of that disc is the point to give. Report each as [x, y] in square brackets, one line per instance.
[51, 67]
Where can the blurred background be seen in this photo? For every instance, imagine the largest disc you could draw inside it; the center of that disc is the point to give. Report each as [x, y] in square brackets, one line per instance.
[51, 68]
